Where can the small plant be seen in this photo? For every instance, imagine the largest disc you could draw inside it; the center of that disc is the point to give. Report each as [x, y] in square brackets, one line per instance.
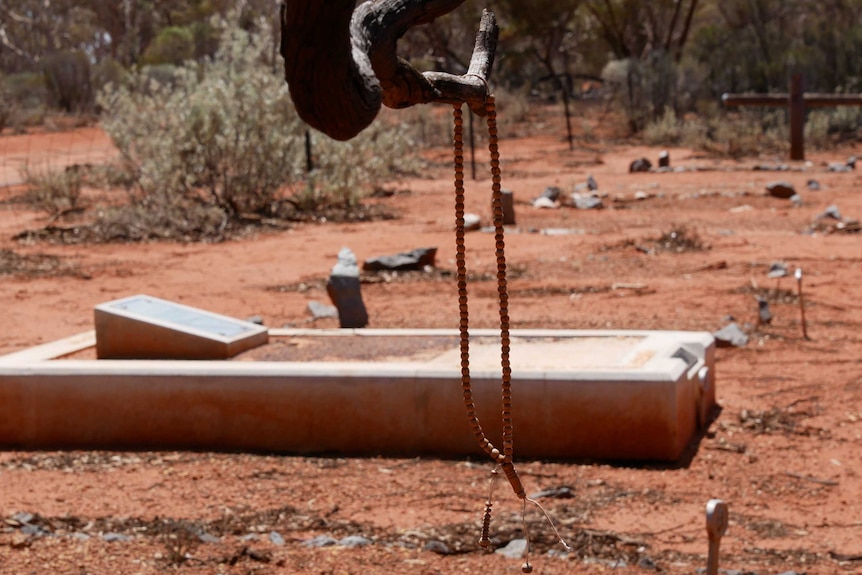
[680, 239]
[54, 190]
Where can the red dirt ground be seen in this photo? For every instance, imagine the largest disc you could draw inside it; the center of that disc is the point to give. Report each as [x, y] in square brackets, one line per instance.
[784, 451]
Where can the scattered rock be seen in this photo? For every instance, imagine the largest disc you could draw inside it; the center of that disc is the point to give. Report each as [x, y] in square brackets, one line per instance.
[555, 493]
[764, 316]
[207, 538]
[586, 202]
[664, 159]
[730, 336]
[354, 541]
[256, 319]
[344, 290]
[320, 541]
[781, 189]
[472, 222]
[830, 212]
[813, 185]
[416, 259]
[851, 162]
[777, 270]
[321, 310]
[552, 193]
[437, 547]
[112, 537]
[838, 167]
[546, 203]
[591, 183]
[796, 199]
[515, 549]
[640, 165]
[275, 538]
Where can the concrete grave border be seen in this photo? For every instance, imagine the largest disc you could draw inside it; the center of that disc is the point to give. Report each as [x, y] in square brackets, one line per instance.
[648, 412]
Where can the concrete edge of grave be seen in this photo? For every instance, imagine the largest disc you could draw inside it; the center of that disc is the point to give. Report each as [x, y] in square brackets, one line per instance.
[667, 360]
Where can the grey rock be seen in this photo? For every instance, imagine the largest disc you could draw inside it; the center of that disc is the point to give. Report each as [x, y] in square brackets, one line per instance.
[851, 162]
[730, 336]
[255, 319]
[112, 537]
[582, 202]
[591, 183]
[344, 290]
[207, 538]
[80, 536]
[780, 189]
[472, 222]
[640, 165]
[664, 159]
[836, 167]
[555, 493]
[320, 541]
[437, 547]
[33, 530]
[515, 549]
[544, 202]
[813, 185]
[777, 270]
[831, 212]
[416, 259]
[796, 199]
[354, 541]
[275, 538]
[552, 193]
[321, 310]
[23, 517]
[764, 315]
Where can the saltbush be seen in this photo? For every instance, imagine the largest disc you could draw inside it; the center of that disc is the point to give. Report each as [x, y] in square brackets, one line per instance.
[222, 133]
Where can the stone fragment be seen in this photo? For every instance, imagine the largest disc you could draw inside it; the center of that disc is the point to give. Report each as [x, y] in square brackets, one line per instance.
[555, 493]
[320, 541]
[813, 185]
[552, 193]
[777, 270]
[545, 203]
[275, 538]
[322, 311]
[417, 259]
[437, 547]
[472, 222]
[664, 159]
[851, 162]
[730, 336]
[343, 288]
[515, 549]
[640, 165]
[354, 541]
[831, 212]
[591, 183]
[585, 202]
[781, 189]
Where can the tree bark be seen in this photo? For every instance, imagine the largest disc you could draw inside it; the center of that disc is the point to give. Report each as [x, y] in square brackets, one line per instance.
[341, 64]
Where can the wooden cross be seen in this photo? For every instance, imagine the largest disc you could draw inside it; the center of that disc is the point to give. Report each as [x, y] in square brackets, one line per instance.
[797, 101]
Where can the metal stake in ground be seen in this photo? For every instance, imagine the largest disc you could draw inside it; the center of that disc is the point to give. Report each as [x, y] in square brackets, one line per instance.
[716, 526]
[798, 275]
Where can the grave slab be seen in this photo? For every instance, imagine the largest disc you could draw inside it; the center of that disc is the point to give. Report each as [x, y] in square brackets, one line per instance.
[611, 395]
[146, 327]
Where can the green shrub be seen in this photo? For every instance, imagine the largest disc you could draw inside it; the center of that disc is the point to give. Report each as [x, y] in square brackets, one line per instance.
[53, 190]
[173, 45]
[223, 135]
[68, 81]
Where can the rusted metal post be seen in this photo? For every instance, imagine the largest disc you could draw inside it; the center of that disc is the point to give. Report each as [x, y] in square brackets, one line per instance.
[797, 118]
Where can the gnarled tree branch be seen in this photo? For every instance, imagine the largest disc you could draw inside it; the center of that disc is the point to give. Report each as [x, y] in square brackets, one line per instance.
[341, 64]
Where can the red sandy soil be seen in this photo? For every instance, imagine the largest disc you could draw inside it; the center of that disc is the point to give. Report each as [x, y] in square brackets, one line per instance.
[783, 452]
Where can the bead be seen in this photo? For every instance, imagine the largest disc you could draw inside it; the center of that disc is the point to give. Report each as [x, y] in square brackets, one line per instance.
[526, 567]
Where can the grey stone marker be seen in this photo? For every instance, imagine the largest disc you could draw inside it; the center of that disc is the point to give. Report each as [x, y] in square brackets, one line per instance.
[343, 288]
[417, 259]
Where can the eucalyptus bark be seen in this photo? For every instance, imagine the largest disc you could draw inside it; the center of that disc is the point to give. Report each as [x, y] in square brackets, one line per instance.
[341, 63]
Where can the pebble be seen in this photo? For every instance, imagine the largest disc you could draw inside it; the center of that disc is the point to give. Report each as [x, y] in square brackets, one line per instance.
[730, 336]
[320, 541]
[111, 537]
[354, 541]
[781, 189]
[515, 549]
[437, 547]
[275, 538]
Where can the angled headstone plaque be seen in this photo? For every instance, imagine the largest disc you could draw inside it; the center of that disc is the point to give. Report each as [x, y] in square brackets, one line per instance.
[146, 327]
